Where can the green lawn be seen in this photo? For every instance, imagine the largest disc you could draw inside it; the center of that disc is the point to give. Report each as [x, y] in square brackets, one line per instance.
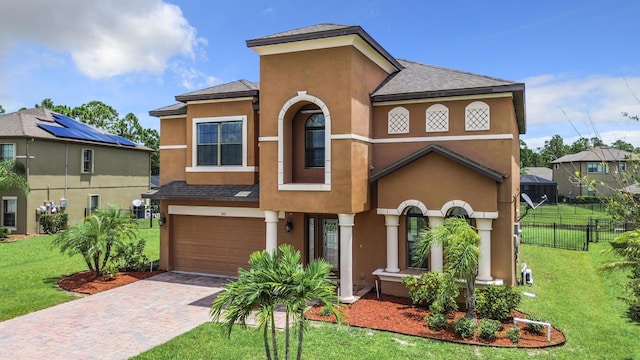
[30, 268]
[569, 293]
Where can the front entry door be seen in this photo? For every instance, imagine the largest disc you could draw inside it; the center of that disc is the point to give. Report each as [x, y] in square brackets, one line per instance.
[323, 240]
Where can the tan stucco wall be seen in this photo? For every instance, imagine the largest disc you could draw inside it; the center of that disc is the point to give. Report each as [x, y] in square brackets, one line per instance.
[173, 132]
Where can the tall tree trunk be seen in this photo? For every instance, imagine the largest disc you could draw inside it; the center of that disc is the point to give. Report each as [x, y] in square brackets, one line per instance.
[286, 336]
[273, 335]
[471, 298]
[300, 334]
[265, 338]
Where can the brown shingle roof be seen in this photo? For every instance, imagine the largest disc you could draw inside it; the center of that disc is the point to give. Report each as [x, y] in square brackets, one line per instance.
[180, 190]
[175, 109]
[240, 88]
[599, 153]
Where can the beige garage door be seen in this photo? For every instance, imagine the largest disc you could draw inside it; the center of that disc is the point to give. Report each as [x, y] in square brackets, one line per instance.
[215, 245]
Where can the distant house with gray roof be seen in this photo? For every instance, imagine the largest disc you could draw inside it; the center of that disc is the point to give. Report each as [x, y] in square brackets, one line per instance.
[344, 152]
[596, 172]
[69, 166]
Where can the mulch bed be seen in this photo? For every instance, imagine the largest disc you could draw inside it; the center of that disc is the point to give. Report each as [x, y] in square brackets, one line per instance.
[86, 283]
[398, 315]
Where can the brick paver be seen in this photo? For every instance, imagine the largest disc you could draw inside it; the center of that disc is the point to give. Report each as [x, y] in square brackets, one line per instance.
[114, 324]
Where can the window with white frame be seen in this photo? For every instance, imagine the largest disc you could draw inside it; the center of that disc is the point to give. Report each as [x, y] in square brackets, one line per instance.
[622, 166]
[597, 167]
[93, 203]
[398, 121]
[477, 116]
[416, 222]
[220, 141]
[9, 210]
[437, 118]
[7, 152]
[87, 161]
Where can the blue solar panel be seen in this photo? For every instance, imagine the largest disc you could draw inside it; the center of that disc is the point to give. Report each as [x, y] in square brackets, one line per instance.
[72, 129]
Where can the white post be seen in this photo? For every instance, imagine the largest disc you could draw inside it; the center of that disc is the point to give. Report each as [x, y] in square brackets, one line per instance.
[392, 222]
[436, 250]
[484, 263]
[345, 221]
[271, 218]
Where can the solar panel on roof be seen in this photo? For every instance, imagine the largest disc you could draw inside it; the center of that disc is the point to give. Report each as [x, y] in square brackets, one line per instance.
[72, 129]
[123, 141]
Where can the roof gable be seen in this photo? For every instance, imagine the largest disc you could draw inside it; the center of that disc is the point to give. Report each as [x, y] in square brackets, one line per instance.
[477, 167]
[598, 153]
[235, 89]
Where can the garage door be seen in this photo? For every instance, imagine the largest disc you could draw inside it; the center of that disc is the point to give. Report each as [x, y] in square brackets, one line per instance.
[215, 245]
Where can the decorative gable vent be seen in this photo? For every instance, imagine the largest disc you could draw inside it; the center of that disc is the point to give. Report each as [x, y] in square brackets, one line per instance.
[437, 118]
[398, 121]
[477, 116]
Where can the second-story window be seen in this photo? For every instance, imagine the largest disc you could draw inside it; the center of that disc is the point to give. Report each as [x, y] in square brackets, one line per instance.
[219, 143]
[7, 152]
[314, 141]
[87, 161]
[596, 167]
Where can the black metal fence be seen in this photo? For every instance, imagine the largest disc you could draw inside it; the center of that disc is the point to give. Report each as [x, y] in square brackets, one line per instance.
[567, 232]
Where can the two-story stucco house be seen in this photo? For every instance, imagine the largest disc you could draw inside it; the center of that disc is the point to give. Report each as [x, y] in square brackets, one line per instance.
[599, 171]
[345, 152]
[70, 165]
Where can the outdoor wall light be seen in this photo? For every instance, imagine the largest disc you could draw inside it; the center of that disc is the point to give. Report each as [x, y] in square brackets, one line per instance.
[288, 226]
[162, 220]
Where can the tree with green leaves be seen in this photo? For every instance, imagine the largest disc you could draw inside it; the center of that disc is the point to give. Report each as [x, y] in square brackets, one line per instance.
[12, 177]
[623, 145]
[461, 250]
[275, 278]
[553, 149]
[627, 248]
[1, 110]
[582, 144]
[97, 237]
[528, 157]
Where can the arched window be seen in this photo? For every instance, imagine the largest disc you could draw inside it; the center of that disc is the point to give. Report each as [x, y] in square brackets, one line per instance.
[437, 118]
[416, 222]
[398, 121]
[314, 141]
[477, 116]
[459, 212]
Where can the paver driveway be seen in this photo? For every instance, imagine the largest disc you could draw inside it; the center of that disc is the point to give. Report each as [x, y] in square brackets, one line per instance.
[114, 324]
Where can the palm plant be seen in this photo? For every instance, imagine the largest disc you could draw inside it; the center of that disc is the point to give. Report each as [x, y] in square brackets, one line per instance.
[11, 177]
[273, 279]
[96, 237]
[627, 246]
[461, 245]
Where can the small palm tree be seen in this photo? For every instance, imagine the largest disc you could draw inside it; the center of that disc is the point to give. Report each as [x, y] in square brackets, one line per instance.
[11, 177]
[96, 237]
[275, 278]
[461, 245]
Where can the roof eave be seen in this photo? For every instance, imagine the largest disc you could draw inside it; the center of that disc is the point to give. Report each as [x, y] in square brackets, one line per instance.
[159, 113]
[217, 96]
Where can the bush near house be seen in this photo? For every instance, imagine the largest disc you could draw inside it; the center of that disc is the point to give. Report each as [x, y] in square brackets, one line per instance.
[4, 232]
[488, 329]
[54, 223]
[497, 302]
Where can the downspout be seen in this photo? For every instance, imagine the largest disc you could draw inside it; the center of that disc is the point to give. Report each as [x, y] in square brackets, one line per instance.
[66, 168]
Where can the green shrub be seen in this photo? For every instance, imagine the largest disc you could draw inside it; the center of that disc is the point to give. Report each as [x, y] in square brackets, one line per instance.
[534, 328]
[4, 232]
[326, 311]
[514, 334]
[437, 322]
[54, 223]
[423, 291]
[488, 329]
[464, 327]
[445, 301]
[110, 270]
[131, 257]
[497, 302]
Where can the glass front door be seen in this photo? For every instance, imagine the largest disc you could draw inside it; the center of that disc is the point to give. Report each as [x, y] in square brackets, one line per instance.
[323, 239]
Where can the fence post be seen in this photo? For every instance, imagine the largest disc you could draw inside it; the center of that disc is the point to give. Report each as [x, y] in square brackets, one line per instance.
[588, 236]
[554, 235]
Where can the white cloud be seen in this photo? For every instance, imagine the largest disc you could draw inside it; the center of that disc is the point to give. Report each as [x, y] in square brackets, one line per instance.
[573, 107]
[104, 38]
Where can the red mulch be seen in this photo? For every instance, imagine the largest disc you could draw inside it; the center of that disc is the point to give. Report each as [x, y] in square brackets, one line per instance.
[390, 313]
[86, 283]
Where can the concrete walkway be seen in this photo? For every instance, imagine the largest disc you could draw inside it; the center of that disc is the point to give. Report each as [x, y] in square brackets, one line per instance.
[114, 324]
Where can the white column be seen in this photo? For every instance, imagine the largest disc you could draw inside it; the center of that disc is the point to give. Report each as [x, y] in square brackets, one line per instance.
[392, 222]
[346, 257]
[484, 263]
[436, 250]
[271, 218]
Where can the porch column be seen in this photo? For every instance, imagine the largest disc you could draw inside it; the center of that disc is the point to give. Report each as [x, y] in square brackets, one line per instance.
[271, 218]
[436, 250]
[484, 263]
[345, 221]
[392, 222]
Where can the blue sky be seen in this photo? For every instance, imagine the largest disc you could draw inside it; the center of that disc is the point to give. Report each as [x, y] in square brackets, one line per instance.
[580, 60]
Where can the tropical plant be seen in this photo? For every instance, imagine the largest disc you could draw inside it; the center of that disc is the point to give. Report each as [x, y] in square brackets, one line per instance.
[514, 334]
[461, 244]
[437, 321]
[130, 256]
[488, 328]
[465, 327]
[97, 236]
[275, 278]
[627, 247]
[54, 223]
[11, 176]
[497, 301]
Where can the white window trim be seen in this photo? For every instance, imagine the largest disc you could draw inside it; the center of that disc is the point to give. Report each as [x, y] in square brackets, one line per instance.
[15, 198]
[402, 111]
[93, 161]
[436, 107]
[89, 196]
[326, 186]
[14, 149]
[478, 105]
[229, 168]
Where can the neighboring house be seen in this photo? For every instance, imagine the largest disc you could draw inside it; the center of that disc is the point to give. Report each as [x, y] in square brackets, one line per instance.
[537, 187]
[542, 172]
[344, 152]
[70, 165]
[599, 171]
